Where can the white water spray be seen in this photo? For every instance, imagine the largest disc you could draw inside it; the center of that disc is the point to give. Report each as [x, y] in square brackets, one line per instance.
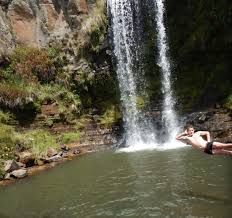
[139, 133]
[168, 113]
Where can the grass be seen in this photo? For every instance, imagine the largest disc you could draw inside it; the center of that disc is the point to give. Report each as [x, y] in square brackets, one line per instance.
[8, 141]
[38, 141]
[97, 19]
[70, 137]
[5, 117]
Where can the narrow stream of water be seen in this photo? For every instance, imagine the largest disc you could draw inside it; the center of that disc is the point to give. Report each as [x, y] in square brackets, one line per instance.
[170, 183]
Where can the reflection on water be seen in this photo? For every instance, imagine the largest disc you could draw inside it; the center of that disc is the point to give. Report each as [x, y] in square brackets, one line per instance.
[170, 183]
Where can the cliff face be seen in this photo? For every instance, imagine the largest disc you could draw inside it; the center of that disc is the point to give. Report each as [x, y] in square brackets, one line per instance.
[36, 23]
[201, 46]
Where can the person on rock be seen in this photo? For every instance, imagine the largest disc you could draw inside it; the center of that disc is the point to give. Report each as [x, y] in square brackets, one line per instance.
[189, 136]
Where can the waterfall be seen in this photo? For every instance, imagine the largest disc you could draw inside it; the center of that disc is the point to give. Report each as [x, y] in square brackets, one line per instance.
[168, 114]
[138, 130]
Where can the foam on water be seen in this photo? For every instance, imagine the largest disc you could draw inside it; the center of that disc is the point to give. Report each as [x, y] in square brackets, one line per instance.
[173, 144]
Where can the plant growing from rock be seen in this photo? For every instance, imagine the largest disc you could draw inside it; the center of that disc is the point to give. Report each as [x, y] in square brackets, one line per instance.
[33, 64]
[14, 96]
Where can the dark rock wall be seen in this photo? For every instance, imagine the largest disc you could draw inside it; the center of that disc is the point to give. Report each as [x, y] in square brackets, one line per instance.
[200, 37]
[200, 40]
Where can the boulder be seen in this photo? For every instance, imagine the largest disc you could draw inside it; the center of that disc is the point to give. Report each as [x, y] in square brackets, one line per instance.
[7, 176]
[53, 159]
[27, 158]
[21, 173]
[51, 152]
[11, 165]
[217, 121]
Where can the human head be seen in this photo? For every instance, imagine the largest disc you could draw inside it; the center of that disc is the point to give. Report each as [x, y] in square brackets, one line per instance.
[190, 130]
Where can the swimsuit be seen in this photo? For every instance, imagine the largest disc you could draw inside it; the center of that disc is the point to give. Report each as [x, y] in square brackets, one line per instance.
[208, 148]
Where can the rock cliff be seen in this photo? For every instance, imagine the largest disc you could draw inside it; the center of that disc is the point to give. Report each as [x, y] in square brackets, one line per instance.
[36, 23]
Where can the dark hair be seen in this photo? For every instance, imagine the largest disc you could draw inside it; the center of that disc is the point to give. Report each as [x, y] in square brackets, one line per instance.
[189, 126]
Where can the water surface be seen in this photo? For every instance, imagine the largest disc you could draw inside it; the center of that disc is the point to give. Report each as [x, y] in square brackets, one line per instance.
[174, 183]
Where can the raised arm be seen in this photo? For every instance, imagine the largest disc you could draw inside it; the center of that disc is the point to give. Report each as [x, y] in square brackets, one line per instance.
[206, 134]
[181, 136]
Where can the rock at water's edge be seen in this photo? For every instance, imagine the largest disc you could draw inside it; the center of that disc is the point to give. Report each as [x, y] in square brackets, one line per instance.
[19, 173]
[11, 165]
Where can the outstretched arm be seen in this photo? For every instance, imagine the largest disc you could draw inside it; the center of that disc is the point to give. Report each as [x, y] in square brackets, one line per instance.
[206, 134]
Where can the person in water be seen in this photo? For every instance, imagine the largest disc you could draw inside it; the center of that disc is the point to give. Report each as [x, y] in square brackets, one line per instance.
[196, 140]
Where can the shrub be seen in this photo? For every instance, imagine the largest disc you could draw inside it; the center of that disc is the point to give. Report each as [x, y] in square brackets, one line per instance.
[12, 96]
[69, 103]
[33, 64]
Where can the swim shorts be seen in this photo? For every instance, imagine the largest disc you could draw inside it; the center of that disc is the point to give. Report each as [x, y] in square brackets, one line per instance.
[208, 148]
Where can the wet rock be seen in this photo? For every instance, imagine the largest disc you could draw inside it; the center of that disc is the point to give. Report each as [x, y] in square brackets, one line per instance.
[53, 159]
[64, 148]
[8, 176]
[76, 151]
[218, 122]
[11, 165]
[51, 152]
[65, 154]
[21, 173]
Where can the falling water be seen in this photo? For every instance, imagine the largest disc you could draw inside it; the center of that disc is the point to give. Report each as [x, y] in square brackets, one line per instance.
[168, 114]
[137, 129]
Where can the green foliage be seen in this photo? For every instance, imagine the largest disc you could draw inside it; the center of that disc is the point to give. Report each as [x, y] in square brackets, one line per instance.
[13, 96]
[69, 103]
[8, 76]
[140, 102]
[5, 117]
[70, 137]
[33, 64]
[94, 29]
[111, 116]
[228, 103]
[8, 140]
[2, 173]
[38, 141]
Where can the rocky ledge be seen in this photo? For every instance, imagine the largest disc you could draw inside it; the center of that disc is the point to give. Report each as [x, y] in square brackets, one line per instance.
[218, 121]
[27, 164]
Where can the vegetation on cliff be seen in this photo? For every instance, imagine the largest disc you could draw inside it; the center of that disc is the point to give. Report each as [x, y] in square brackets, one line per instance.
[41, 89]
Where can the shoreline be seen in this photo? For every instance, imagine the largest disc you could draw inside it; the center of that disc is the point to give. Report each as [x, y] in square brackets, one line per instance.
[75, 151]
